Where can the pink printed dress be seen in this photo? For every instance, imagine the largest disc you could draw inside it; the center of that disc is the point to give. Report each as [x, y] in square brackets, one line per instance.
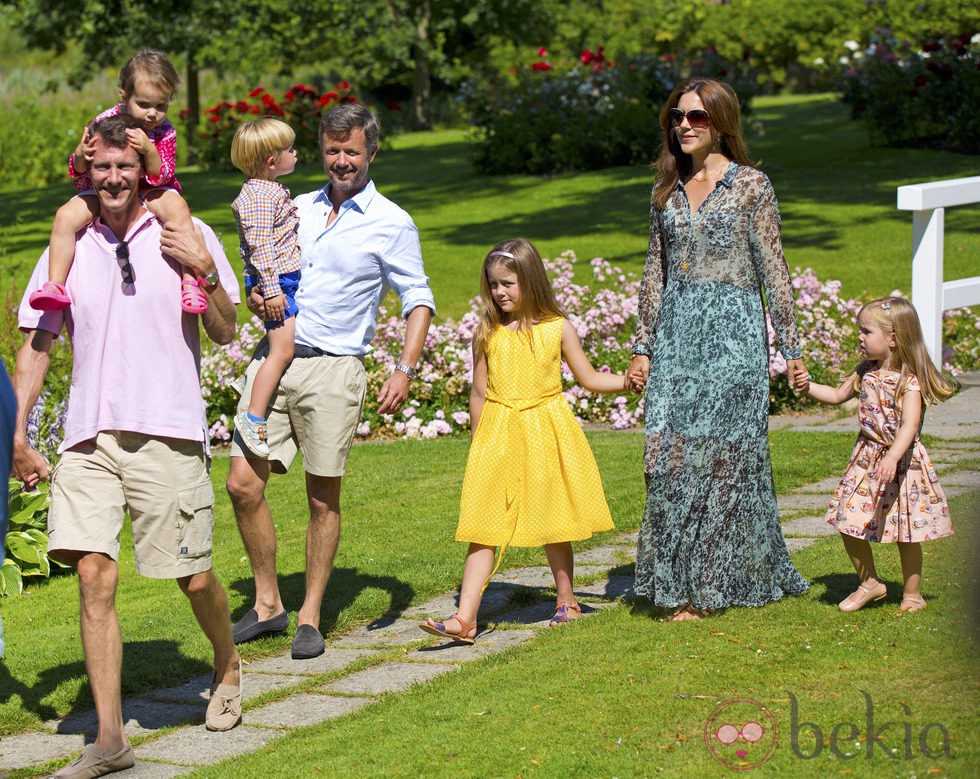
[911, 508]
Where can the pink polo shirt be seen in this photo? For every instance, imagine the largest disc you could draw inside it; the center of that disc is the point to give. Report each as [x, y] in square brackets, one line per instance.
[136, 354]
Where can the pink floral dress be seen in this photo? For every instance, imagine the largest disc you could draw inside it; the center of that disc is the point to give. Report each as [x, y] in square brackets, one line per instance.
[911, 508]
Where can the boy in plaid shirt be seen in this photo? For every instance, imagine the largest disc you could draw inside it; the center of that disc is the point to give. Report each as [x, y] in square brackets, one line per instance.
[267, 224]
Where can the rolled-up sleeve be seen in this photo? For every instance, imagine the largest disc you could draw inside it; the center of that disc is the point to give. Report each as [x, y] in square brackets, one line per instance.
[404, 271]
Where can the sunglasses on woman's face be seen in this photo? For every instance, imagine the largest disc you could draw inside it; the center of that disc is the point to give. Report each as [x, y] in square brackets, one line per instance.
[696, 118]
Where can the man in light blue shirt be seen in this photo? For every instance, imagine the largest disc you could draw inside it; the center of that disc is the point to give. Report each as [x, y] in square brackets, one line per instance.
[356, 245]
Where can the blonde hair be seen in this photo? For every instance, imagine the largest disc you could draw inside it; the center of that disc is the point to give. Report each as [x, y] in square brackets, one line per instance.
[538, 303]
[897, 318]
[155, 67]
[724, 120]
[257, 140]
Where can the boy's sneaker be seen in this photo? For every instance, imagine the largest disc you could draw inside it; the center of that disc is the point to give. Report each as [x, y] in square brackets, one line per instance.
[252, 434]
[238, 385]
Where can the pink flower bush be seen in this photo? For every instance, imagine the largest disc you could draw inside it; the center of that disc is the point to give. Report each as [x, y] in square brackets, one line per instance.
[603, 313]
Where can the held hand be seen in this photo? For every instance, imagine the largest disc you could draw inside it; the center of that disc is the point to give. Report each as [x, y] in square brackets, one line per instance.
[186, 245]
[638, 372]
[256, 304]
[275, 308]
[393, 394]
[799, 377]
[28, 466]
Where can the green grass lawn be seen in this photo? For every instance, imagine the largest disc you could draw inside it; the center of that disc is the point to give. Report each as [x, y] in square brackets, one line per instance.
[836, 192]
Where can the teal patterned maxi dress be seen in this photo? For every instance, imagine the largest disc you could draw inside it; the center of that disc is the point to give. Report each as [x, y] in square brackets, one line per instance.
[711, 535]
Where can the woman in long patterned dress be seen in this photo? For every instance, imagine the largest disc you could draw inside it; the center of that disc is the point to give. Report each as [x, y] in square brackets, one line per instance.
[711, 536]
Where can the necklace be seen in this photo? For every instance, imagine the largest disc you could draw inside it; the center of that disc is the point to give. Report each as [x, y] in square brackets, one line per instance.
[705, 174]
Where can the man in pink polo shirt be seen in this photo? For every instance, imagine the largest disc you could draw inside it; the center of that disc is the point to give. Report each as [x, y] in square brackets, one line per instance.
[135, 432]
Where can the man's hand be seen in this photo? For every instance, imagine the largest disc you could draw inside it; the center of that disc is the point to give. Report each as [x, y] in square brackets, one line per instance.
[28, 466]
[186, 245]
[255, 303]
[393, 394]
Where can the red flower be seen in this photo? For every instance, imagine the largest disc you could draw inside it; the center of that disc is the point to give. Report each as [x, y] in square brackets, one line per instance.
[267, 100]
[586, 57]
[348, 99]
[394, 105]
[538, 66]
[343, 86]
[256, 92]
[215, 118]
[542, 52]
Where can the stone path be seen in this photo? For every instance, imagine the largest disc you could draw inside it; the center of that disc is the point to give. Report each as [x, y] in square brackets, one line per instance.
[392, 654]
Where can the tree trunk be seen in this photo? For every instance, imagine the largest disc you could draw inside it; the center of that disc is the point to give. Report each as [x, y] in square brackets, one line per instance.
[194, 106]
[422, 82]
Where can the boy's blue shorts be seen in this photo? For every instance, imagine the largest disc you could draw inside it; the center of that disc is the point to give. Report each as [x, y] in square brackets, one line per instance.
[288, 283]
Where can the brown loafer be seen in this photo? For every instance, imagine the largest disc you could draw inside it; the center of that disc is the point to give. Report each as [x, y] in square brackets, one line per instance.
[862, 596]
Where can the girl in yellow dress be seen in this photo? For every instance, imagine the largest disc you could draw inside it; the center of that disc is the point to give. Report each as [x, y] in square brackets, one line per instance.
[531, 479]
[889, 492]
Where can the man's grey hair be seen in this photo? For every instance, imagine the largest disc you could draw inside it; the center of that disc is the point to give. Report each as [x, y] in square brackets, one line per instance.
[341, 121]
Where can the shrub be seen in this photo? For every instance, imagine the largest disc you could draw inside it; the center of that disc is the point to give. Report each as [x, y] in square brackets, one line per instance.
[554, 116]
[300, 106]
[604, 315]
[26, 553]
[37, 135]
[917, 95]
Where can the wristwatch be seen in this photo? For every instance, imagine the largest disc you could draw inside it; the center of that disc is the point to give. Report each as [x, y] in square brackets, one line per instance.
[408, 370]
[211, 281]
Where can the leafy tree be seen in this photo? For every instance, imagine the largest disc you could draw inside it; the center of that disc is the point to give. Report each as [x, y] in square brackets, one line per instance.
[200, 33]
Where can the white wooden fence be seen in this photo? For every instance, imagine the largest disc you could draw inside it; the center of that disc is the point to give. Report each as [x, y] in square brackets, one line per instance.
[930, 295]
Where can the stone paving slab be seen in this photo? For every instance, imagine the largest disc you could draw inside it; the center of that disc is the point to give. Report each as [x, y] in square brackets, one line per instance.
[401, 631]
[388, 677]
[198, 690]
[140, 717]
[148, 769]
[967, 479]
[808, 526]
[954, 491]
[199, 746]
[489, 642]
[798, 501]
[302, 710]
[437, 608]
[796, 544]
[34, 748]
[331, 660]
[612, 588]
[605, 556]
[823, 487]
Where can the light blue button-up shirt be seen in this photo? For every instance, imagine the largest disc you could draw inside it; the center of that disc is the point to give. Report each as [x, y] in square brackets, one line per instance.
[348, 268]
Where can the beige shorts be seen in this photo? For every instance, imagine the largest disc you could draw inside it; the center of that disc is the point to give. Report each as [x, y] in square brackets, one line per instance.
[163, 484]
[316, 408]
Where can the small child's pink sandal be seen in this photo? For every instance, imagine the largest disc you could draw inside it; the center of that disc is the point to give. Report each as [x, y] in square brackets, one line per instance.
[192, 298]
[51, 297]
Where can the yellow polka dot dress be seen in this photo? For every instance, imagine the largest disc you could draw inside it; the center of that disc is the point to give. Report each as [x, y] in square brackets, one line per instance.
[531, 478]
